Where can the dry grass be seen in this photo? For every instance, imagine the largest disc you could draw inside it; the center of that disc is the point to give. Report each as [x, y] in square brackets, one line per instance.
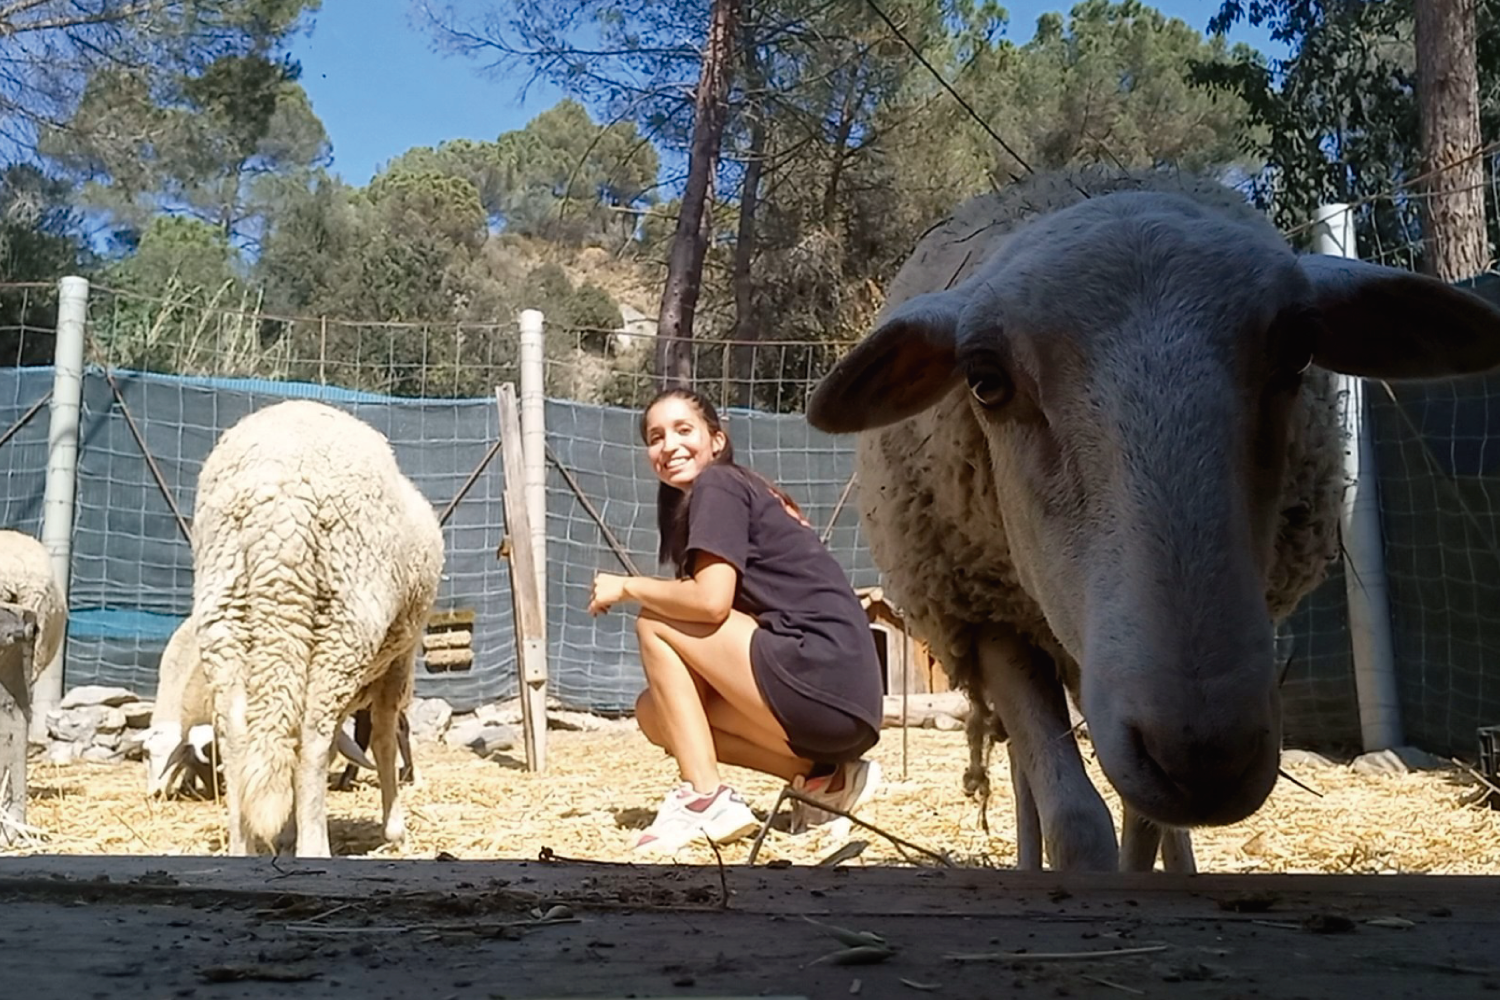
[602, 786]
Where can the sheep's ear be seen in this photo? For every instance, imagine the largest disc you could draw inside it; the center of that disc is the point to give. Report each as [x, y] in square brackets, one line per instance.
[899, 370]
[1381, 322]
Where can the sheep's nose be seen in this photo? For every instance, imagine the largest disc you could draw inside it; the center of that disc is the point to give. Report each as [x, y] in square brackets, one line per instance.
[1204, 771]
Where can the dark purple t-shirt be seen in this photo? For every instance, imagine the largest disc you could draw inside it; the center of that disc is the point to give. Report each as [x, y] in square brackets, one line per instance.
[812, 626]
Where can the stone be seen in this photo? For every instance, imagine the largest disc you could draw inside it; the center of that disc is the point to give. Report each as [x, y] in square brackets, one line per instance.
[1397, 760]
[111, 720]
[95, 694]
[1379, 762]
[1420, 760]
[577, 722]
[138, 713]
[132, 744]
[506, 713]
[494, 739]
[429, 719]
[61, 752]
[1296, 758]
[110, 738]
[946, 723]
[75, 725]
[463, 730]
[101, 754]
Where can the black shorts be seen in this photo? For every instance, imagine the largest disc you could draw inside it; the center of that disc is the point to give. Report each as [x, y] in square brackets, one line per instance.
[816, 731]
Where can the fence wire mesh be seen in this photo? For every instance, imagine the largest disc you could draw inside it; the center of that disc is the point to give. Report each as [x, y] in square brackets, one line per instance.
[166, 375]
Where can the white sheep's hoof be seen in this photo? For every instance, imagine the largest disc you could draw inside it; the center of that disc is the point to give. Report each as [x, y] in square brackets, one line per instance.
[395, 828]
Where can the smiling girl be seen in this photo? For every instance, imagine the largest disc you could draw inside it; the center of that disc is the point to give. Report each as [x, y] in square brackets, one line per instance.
[758, 653]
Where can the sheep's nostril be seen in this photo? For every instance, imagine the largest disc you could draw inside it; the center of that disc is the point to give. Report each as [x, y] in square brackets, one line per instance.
[1203, 772]
[1141, 745]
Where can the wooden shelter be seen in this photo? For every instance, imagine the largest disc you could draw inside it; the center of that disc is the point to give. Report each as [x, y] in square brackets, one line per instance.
[924, 673]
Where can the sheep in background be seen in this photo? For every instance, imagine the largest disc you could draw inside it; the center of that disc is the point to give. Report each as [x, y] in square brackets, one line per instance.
[1100, 450]
[26, 580]
[316, 563]
[179, 744]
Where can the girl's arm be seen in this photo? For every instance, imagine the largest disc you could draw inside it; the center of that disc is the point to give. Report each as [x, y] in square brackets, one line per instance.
[707, 596]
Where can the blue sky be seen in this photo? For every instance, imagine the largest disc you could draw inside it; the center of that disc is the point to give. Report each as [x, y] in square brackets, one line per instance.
[380, 89]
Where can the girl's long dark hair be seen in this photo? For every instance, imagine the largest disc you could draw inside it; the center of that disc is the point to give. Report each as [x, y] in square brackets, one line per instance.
[672, 503]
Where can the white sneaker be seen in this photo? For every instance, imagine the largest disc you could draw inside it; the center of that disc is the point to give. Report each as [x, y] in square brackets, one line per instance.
[686, 814]
[861, 777]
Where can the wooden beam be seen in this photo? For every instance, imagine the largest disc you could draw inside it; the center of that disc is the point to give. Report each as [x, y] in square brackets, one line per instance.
[17, 632]
[531, 652]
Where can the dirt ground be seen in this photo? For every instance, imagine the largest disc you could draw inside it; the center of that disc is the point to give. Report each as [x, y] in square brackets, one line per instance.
[466, 909]
[365, 929]
[601, 787]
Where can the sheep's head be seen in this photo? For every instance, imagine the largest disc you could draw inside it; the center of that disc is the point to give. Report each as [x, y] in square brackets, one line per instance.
[1135, 362]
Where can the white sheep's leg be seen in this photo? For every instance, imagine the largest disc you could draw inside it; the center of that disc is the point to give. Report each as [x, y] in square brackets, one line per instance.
[1021, 682]
[232, 746]
[1028, 823]
[1139, 840]
[1177, 851]
[313, 757]
[384, 720]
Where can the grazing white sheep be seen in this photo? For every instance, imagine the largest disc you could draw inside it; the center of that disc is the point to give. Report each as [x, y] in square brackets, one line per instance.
[179, 743]
[1095, 455]
[26, 580]
[316, 563]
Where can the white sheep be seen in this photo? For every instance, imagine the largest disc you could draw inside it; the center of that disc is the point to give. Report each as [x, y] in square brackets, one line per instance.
[1095, 455]
[316, 563]
[26, 580]
[179, 743]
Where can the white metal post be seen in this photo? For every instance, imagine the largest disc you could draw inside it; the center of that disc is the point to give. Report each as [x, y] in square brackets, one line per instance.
[62, 475]
[1364, 546]
[534, 445]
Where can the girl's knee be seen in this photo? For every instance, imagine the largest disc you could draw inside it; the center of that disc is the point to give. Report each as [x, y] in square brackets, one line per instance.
[647, 626]
[647, 719]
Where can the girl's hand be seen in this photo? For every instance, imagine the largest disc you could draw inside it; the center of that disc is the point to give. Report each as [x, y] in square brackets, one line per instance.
[609, 590]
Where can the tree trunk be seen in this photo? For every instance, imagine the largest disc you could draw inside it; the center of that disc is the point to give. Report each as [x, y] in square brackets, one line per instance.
[746, 332]
[679, 300]
[1448, 96]
[852, 97]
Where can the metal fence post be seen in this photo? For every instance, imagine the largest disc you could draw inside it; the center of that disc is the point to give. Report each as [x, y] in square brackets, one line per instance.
[533, 377]
[1364, 545]
[62, 475]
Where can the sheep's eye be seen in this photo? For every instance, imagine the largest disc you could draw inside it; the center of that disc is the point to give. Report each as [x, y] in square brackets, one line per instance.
[992, 389]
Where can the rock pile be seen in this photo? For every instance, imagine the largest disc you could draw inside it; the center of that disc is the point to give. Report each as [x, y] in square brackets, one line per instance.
[97, 723]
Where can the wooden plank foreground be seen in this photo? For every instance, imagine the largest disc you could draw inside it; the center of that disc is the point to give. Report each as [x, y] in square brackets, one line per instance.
[206, 927]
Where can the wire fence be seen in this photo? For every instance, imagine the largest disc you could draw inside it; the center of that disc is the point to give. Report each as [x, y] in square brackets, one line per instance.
[167, 375]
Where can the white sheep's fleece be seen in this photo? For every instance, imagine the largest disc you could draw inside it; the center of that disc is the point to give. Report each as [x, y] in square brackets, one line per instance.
[182, 702]
[26, 580]
[316, 564]
[928, 507]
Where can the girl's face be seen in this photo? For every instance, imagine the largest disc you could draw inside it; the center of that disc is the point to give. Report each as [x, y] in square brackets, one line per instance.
[679, 443]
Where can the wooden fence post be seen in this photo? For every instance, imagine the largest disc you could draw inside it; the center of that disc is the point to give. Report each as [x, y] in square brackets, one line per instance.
[531, 651]
[17, 632]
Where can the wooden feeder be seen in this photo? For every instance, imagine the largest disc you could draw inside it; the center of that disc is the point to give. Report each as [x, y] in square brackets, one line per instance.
[925, 674]
[448, 644]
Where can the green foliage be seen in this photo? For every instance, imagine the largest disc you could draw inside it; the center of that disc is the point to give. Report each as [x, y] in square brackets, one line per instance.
[39, 241]
[206, 139]
[1337, 120]
[584, 313]
[562, 177]
[204, 152]
[176, 249]
[56, 48]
